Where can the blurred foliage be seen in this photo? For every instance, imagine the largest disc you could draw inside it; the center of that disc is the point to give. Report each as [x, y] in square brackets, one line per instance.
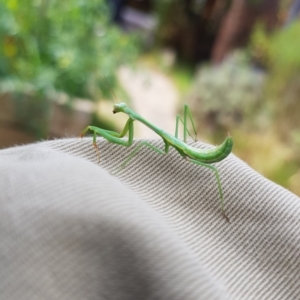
[279, 51]
[67, 46]
[226, 95]
[279, 54]
[255, 94]
[267, 154]
[190, 26]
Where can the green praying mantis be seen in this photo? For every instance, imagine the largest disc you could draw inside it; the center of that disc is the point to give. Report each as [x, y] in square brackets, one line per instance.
[197, 156]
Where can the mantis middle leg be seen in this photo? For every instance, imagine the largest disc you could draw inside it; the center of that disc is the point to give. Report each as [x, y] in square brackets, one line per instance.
[187, 113]
[132, 154]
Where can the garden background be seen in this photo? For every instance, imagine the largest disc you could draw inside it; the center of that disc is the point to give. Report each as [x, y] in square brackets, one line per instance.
[236, 63]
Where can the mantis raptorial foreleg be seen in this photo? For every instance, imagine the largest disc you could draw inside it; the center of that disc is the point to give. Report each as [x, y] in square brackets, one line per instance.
[112, 136]
[115, 137]
[187, 113]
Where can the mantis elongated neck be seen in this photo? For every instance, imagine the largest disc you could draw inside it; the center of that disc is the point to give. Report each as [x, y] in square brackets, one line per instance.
[139, 118]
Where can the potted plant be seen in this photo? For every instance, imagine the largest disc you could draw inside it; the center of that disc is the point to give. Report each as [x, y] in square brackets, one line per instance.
[51, 54]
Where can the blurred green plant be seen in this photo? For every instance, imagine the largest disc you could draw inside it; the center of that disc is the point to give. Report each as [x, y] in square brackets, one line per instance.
[227, 95]
[189, 26]
[66, 46]
[261, 109]
[279, 54]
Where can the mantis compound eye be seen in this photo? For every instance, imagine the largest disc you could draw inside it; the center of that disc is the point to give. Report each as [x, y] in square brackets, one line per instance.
[119, 107]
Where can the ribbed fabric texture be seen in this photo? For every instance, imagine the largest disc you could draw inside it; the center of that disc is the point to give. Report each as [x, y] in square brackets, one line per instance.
[71, 228]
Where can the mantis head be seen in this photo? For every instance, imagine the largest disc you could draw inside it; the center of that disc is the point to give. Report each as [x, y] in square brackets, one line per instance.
[119, 107]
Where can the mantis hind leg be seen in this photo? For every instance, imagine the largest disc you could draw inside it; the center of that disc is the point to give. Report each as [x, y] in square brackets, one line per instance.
[187, 113]
[218, 182]
[133, 153]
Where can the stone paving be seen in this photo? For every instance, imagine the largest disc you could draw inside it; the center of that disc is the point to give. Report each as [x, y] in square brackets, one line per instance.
[153, 96]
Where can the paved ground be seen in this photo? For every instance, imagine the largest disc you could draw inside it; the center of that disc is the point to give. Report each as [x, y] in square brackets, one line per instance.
[153, 96]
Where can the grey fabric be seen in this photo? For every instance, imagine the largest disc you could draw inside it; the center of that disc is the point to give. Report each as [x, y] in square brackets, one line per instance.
[69, 229]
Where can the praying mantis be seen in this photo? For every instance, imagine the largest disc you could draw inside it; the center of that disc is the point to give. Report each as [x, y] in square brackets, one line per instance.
[197, 156]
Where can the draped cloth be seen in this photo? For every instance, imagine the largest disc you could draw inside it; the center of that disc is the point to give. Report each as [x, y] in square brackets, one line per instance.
[71, 228]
